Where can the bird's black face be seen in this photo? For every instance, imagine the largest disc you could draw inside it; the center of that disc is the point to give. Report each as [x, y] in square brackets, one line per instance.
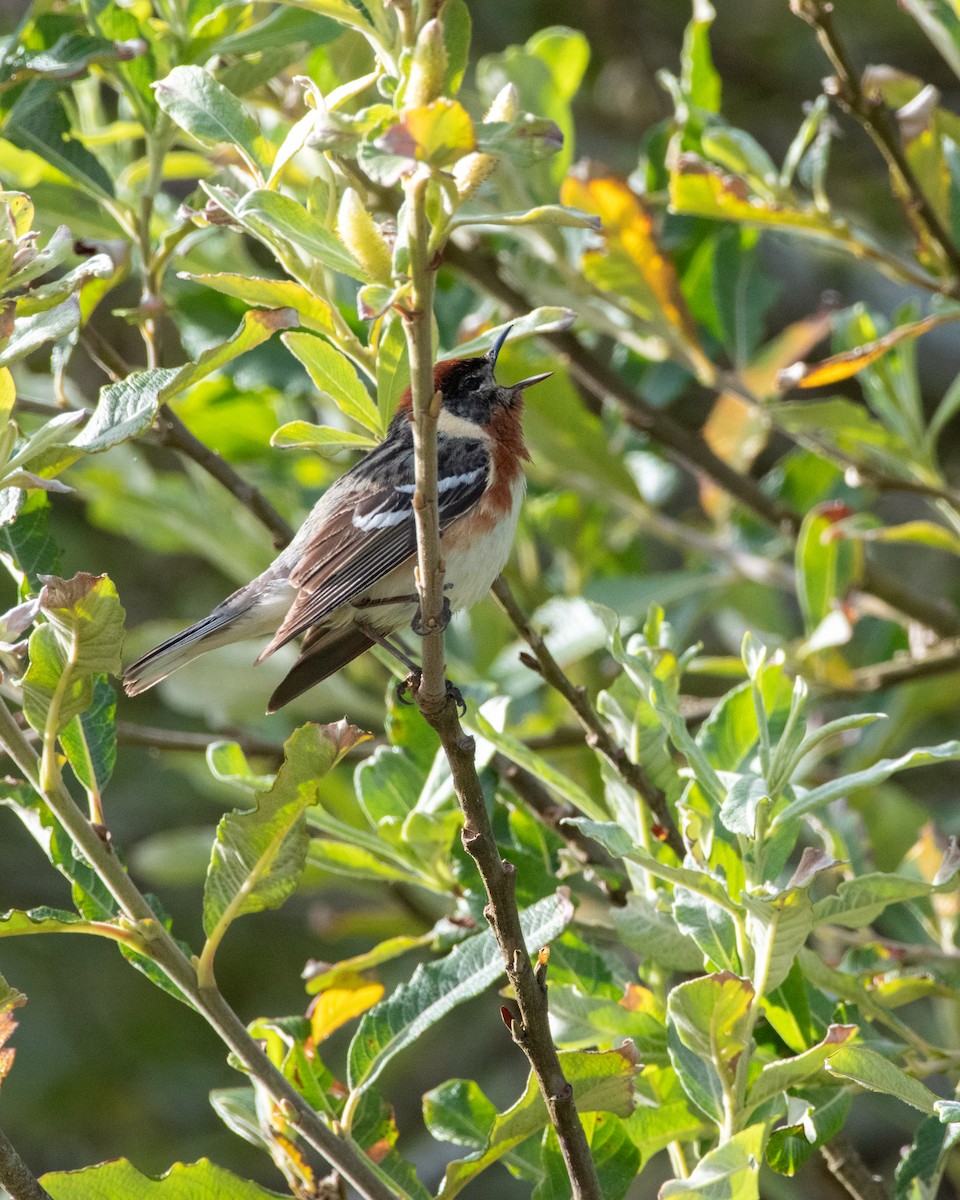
[471, 392]
[470, 389]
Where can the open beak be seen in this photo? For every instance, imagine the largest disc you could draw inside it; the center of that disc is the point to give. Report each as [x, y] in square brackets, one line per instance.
[525, 383]
[494, 351]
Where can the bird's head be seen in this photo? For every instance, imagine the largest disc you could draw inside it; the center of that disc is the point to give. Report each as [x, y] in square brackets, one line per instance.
[470, 389]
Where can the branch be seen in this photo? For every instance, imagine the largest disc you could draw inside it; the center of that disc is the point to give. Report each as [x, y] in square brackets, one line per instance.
[553, 815]
[16, 1177]
[152, 737]
[872, 114]
[532, 1030]
[348, 1159]
[687, 447]
[598, 736]
[172, 432]
[848, 1168]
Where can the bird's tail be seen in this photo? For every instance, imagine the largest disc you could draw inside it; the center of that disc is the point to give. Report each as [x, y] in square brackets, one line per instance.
[215, 630]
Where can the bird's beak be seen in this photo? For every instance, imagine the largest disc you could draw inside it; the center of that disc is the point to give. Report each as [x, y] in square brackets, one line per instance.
[525, 383]
[494, 351]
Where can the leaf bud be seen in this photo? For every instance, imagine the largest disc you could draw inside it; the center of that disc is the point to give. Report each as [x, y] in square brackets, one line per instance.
[428, 71]
[505, 106]
[361, 235]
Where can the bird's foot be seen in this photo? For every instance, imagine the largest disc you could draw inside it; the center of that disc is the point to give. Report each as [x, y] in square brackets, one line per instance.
[407, 688]
[406, 691]
[445, 614]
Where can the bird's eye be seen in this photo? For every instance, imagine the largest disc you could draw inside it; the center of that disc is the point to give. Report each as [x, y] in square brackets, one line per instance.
[470, 384]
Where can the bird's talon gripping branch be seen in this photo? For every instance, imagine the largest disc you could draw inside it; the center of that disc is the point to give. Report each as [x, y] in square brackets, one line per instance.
[454, 694]
[417, 624]
[407, 688]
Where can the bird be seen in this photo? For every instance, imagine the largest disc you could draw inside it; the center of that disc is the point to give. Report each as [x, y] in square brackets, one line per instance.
[346, 581]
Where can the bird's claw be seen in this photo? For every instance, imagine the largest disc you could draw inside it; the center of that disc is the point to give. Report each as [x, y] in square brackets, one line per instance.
[417, 623]
[407, 688]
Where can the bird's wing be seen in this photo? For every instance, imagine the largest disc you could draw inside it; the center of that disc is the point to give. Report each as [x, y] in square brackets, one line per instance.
[367, 529]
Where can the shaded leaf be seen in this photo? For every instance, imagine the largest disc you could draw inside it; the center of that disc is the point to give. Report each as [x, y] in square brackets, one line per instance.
[438, 987]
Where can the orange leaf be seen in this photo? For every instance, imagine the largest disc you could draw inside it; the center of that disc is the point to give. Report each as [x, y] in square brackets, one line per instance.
[628, 226]
[844, 366]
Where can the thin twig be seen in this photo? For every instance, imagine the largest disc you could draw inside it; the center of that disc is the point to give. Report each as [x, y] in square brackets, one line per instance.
[597, 734]
[152, 737]
[873, 116]
[16, 1176]
[172, 432]
[531, 1030]
[164, 951]
[848, 1168]
[687, 447]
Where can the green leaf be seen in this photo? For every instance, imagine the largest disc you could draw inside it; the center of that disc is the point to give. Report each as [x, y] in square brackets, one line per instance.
[38, 122]
[438, 987]
[210, 113]
[26, 544]
[711, 1016]
[393, 369]
[792, 1145]
[922, 533]
[601, 1082]
[16, 922]
[846, 428]
[125, 410]
[30, 333]
[259, 855]
[90, 740]
[335, 376]
[81, 636]
[120, 1180]
[698, 76]
[787, 1073]
[702, 919]
[313, 312]
[457, 1111]
[546, 319]
[324, 439]
[827, 566]
[777, 927]
[358, 861]
[922, 1164]
[727, 1173]
[258, 326]
[518, 752]
[836, 789]
[878, 1074]
[455, 18]
[228, 763]
[858, 902]
[269, 214]
[654, 935]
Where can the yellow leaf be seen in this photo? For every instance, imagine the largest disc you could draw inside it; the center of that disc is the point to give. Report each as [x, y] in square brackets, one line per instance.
[352, 996]
[439, 134]
[844, 366]
[628, 227]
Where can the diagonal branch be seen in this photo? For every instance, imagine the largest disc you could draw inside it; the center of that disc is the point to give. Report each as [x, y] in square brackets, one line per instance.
[597, 734]
[687, 447]
[873, 115]
[16, 1177]
[532, 1030]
